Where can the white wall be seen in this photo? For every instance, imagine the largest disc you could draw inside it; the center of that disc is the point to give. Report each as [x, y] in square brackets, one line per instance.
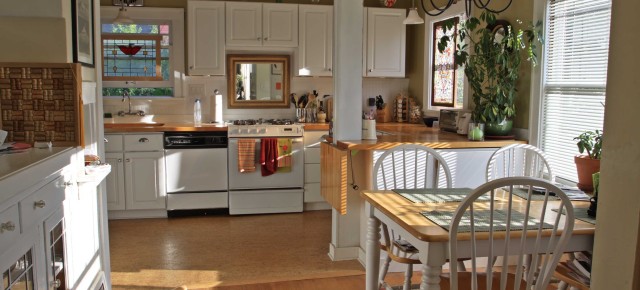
[616, 250]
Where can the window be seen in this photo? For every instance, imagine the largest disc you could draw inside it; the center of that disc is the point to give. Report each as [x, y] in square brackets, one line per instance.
[574, 78]
[445, 85]
[146, 57]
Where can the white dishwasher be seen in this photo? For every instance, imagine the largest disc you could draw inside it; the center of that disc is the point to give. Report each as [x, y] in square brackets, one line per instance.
[196, 170]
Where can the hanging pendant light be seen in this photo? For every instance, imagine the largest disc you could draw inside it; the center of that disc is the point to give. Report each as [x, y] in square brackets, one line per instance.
[122, 17]
[413, 17]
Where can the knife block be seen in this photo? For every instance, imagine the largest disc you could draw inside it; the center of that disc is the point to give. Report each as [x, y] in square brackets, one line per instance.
[384, 115]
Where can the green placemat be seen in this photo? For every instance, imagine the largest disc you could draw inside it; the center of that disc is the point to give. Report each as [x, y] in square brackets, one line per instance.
[437, 195]
[482, 222]
[581, 214]
[524, 193]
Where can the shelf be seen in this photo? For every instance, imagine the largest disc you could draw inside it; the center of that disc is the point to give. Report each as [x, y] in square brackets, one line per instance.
[95, 176]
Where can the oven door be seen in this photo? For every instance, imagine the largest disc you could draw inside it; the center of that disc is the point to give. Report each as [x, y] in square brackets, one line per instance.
[255, 180]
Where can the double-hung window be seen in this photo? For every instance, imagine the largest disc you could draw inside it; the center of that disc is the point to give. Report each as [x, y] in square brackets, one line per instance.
[445, 84]
[146, 57]
[573, 78]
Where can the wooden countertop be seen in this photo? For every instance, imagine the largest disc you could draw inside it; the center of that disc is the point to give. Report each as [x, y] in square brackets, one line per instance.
[395, 134]
[178, 127]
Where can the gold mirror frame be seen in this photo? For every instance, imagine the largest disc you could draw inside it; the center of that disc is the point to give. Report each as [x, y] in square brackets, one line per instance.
[233, 59]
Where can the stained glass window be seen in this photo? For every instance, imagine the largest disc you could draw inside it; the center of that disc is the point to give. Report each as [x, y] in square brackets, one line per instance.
[447, 82]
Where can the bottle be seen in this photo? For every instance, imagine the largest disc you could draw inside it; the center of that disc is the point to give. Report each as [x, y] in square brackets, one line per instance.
[197, 113]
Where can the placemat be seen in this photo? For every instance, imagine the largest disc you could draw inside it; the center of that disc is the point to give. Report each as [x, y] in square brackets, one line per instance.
[437, 195]
[581, 214]
[482, 222]
[524, 193]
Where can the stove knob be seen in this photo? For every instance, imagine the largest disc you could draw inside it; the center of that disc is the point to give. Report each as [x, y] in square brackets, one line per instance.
[253, 130]
[262, 130]
[235, 131]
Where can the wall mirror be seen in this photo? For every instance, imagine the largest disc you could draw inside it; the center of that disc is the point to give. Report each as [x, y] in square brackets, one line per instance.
[258, 81]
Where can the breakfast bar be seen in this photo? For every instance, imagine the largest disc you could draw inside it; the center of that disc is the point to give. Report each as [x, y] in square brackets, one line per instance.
[347, 165]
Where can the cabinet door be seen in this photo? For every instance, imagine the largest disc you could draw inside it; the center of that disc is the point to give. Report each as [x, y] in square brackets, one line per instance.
[244, 24]
[206, 37]
[115, 182]
[316, 40]
[145, 180]
[385, 49]
[280, 25]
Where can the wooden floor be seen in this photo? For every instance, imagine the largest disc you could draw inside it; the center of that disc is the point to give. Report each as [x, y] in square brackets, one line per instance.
[252, 252]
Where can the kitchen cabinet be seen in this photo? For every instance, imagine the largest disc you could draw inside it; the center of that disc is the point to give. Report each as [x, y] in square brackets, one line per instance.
[384, 48]
[261, 24]
[205, 30]
[137, 180]
[312, 198]
[315, 50]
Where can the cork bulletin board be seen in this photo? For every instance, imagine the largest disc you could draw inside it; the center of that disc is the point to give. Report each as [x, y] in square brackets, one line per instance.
[42, 102]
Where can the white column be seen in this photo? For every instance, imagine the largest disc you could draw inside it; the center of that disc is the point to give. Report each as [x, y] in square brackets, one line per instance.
[347, 69]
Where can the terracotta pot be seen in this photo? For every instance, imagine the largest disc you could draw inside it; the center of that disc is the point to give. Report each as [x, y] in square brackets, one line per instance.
[586, 167]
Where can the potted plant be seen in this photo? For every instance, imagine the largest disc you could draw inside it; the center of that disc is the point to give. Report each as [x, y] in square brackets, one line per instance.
[588, 164]
[492, 65]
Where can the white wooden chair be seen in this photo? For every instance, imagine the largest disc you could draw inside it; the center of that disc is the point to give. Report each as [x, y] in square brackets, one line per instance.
[518, 160]
[407, 167]
[550, 244]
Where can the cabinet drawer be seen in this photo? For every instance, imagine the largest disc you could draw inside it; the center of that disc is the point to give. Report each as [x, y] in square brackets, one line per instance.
[143, 142]
[312, 192]
[38, 205]
[113, 143]
[313, 138]
[9, 227]
[311, 173]
[311, 155]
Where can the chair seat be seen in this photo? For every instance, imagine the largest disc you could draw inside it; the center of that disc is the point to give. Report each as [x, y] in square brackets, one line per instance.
[464, 281]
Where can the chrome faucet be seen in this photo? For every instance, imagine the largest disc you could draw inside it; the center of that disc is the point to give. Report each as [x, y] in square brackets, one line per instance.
[125, 94]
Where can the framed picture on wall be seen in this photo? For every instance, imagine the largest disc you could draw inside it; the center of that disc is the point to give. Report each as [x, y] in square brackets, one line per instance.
[82, 13]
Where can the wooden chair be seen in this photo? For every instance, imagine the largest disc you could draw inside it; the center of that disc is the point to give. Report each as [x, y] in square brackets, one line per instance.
[518, 160]
[407, 167]
[550, 245]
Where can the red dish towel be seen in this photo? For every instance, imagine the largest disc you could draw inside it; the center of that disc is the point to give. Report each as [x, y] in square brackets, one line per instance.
[269, 155]
[246, 155]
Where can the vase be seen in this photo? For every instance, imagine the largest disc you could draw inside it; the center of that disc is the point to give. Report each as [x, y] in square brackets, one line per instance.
[476, 132]
[586, 167]
[499, 129]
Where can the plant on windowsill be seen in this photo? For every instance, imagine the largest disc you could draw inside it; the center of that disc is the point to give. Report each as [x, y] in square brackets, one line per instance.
[491, 56]
[588, 164]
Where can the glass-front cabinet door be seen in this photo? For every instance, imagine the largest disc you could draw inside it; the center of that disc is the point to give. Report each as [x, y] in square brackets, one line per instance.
[55, 250]
[19, 275]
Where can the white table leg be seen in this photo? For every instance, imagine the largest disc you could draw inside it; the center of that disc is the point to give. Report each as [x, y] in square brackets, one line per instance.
[430, 277]
[373, 253]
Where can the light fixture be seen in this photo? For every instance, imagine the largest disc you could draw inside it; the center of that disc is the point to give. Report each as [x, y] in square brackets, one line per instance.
[413, 17]
[122, 17]
[467, 6]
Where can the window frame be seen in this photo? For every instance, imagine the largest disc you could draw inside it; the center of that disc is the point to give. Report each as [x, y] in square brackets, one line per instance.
[147, 15]
[453, 11]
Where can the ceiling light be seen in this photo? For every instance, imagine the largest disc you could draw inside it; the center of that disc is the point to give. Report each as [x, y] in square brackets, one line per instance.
[467, 6]
[413, 17]
[122, 17]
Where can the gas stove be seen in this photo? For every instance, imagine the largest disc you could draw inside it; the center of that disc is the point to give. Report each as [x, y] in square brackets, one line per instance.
[264, 128]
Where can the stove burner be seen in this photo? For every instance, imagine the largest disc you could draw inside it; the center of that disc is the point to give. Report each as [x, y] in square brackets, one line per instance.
[264, 122]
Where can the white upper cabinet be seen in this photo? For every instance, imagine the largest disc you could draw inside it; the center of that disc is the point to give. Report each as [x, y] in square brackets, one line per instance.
[314, 57]
[262, 24]
[384, 49]
[206, 37]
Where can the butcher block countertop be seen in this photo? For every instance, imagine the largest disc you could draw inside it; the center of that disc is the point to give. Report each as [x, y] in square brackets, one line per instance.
[394, 134]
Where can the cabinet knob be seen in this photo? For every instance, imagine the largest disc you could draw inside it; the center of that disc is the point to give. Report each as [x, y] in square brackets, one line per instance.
[370, 70]
[106, 140]
[56, 284]
[190, 67]
[266, 38]
[128, 160]
[119, 160]
[8, 226]
[143, 140]
[329, 69]
[68, 183]
[39, 204]
[258, 38]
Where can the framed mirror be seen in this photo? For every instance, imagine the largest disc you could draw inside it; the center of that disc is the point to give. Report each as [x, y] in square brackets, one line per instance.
[257, 81]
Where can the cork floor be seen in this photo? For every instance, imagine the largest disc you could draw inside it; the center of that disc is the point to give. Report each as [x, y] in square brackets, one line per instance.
[212, 251]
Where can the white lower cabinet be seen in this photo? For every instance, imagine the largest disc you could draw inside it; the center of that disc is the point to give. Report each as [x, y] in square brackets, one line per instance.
[137, 179]
[312, 198]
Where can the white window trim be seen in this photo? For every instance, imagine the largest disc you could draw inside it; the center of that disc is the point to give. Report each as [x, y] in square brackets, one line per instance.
[535, 99]
[434, 111]
[176, 16]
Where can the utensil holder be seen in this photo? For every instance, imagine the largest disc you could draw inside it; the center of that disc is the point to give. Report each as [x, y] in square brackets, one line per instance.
[369, 130]
[310, 115]
[300, 115]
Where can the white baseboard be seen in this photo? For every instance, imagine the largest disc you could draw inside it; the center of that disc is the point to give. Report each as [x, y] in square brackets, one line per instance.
[344, 253]
[323, 205]
[137, 214]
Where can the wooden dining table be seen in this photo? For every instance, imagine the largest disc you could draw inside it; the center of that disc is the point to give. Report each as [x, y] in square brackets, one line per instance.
[405, 219]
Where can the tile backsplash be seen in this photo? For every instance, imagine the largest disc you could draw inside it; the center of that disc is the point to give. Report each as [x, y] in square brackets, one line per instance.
[387, 87]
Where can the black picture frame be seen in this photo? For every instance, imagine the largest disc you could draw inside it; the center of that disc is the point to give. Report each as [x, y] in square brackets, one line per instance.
[83, 32]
